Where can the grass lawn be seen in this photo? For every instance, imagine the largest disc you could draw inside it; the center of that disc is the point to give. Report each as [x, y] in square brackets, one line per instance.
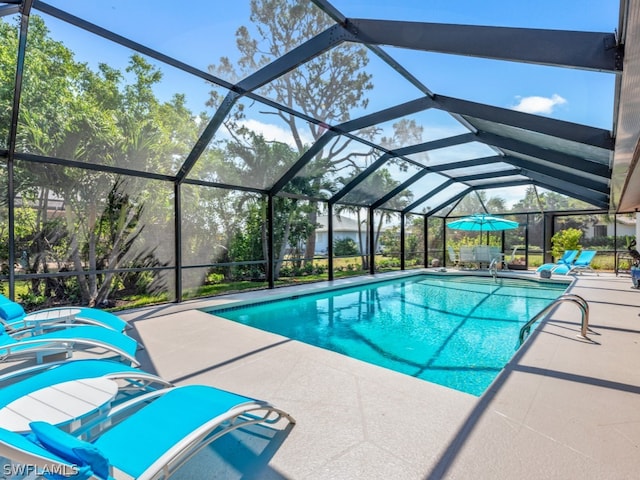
[343, 267]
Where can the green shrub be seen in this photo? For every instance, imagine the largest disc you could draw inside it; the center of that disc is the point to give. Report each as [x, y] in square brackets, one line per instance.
[344, 247]
[568, 239]
[286, 272]
[214, 278]
[31, 300]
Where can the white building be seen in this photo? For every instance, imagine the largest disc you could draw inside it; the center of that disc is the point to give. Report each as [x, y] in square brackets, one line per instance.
[625, 226]
[343, 227]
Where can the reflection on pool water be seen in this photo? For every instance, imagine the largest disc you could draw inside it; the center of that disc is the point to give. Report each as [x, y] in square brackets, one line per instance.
[457, 331]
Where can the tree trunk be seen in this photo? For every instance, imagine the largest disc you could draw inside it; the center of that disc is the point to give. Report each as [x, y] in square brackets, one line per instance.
[377, 236]
[92, 241]
[75, 255]
[363, 251]
[283, 250]
[310, 249]
[102, 294]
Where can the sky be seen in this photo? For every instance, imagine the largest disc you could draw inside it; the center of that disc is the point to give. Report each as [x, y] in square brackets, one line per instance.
[204, 30]
[201, 34]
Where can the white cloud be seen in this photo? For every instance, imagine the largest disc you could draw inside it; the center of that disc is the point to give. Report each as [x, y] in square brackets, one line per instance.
[271, 132]
[538, 105]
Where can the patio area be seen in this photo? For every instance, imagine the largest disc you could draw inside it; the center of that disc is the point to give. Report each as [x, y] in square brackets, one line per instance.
[145, 167]
[563, 408]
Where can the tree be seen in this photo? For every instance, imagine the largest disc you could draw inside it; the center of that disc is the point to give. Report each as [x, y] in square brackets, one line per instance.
[415, 236]
[568, 239]
[71, 112]
[529, 203]
[471, 203]
[116, 231]
[380, 180]
[345, 247]
[247, 243]
[249, 155]
[497, 205]
[8, 56]
[326, 88]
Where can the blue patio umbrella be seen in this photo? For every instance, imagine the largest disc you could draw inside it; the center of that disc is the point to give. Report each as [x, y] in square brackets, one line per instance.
[482, 222]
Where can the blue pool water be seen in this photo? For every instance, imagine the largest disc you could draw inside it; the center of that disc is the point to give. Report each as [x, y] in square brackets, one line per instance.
[457, 331]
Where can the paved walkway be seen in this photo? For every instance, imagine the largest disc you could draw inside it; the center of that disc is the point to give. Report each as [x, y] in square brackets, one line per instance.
[564, 408]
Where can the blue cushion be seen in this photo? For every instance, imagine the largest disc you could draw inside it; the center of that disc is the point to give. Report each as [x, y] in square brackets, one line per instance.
[11, 311]
[70, 448]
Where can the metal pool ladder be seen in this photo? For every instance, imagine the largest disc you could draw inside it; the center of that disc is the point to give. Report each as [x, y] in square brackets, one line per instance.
[567, 297]
[493, 269]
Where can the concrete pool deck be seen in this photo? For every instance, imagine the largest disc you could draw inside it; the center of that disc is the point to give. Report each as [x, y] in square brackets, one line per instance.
[563, 408]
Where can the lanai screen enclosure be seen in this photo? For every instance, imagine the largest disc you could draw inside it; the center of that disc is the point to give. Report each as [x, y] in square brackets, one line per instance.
[155, 151]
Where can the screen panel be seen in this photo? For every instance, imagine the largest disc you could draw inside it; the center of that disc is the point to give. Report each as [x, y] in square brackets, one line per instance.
[75, 220]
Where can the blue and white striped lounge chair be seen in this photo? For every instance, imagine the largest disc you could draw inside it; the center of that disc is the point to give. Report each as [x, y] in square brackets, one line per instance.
[151, 443]
[567, 259]
[13, 316]
[67, 341]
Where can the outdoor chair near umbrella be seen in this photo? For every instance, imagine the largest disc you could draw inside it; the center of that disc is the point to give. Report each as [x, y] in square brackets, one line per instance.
[481, 222]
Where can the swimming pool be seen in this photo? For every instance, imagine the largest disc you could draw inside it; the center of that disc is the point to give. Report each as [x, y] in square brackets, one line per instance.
[457, 331]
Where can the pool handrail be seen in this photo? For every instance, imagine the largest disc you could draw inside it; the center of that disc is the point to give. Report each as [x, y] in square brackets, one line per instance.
[567, 297]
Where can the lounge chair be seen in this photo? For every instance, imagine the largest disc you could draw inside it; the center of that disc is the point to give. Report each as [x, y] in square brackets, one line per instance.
[24, 381]
[38, 393]
[497, 257]
[486, 254]
[567, 259]
[453, 258]
[13, 316]
[67, 341]
[467, 255]
[152, 442]
[581, 264]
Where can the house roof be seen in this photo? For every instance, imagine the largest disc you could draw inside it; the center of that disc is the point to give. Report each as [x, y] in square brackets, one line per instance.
[340, 224]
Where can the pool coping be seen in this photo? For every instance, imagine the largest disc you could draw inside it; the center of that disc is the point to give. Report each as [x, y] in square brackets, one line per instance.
[315, 287]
